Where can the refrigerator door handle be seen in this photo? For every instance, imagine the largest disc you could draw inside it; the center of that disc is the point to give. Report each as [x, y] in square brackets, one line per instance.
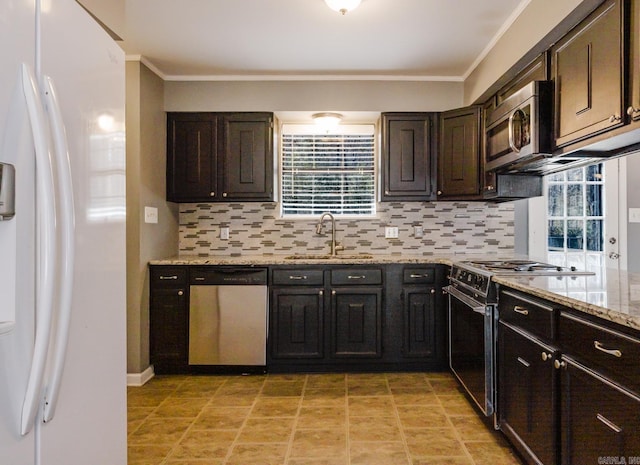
[46, 234]
[67, 246]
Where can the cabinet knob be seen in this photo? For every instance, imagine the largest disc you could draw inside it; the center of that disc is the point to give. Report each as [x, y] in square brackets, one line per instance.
[433, 291]
[546, 356]
[439, 192]
[333, 292]
[558, 364]
[212, 194]
[180, 292]
[633, 112]
[321, 293]
[615, 118]
[224, 194]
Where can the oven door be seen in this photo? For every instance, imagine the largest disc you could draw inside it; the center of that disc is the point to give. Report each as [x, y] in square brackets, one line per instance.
[472, 348]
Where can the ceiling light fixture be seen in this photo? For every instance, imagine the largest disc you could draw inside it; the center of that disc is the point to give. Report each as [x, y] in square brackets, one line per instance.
[327, 121]
[343, 6]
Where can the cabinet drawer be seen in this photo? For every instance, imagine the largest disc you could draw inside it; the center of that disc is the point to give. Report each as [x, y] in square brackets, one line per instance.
[606, 350]
[168, 276]
[528, 313]
[293, 277]
[356, 276]
[418, 275]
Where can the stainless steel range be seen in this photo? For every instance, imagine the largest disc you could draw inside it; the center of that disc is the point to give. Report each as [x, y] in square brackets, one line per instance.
[473, 317]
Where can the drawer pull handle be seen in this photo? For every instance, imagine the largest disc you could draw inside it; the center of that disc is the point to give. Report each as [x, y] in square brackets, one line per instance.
[520, 310]
[359, 276]
[524, 362]
[199, 278]
[609, 423]
[419, 275]
[168, 277]
[546, 356]
[297, 278]
[615, 352]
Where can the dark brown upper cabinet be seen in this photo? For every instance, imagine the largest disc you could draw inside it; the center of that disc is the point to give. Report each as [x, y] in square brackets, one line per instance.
[588, 68]
[459, 160]
[537, 70]
[192, 140]
[408, 156]
[633, 108]
[219, 157]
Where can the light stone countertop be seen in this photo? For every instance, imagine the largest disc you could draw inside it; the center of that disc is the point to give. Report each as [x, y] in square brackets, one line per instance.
[613, 296]
[346, 259]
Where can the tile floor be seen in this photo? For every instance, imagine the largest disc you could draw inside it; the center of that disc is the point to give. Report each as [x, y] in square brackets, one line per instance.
[323, 419]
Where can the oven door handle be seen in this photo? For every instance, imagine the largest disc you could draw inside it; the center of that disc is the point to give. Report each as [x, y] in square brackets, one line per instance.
[465, 299]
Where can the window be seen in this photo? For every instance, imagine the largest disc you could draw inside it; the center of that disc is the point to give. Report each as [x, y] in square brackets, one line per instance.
[576, 218]
[328, 172]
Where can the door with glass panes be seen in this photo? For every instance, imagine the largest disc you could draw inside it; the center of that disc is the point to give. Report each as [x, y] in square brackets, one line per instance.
[581, 212]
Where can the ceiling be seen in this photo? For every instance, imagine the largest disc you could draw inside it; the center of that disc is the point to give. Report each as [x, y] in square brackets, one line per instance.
[304, 39]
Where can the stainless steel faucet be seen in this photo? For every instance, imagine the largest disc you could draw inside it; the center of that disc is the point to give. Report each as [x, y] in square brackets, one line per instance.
[335, 246]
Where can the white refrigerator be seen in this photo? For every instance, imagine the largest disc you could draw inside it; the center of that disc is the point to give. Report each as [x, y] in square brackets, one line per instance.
[62, 254]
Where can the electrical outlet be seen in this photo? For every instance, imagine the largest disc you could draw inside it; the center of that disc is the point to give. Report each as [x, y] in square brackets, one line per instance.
[418, 231]
[224, 234]
[391, 232]
[150, 215]
[634, 215]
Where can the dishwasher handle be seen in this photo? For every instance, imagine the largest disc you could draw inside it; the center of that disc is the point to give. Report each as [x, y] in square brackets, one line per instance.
[215, 276]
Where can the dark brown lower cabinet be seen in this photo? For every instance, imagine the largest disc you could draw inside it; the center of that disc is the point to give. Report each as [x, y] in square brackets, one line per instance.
[169, 320]
[297, 323]
[357, 322]
[419, 304]
[600, 420]
[527, 403]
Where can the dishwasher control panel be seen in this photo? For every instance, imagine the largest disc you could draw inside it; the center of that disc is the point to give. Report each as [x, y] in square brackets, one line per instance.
[228, 276]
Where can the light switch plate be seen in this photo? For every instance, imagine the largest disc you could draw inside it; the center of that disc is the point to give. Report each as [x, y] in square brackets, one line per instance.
[150, 215]
[634, 215]
[391, 232]
[418, 231]
[224, 234]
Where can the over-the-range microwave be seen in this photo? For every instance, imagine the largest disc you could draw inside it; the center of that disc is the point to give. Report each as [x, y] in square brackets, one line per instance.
[519, 130]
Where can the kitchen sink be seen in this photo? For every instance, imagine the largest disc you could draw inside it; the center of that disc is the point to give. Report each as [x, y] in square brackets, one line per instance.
[328, 257]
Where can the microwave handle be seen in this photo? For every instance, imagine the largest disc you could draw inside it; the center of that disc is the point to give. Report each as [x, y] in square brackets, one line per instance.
[511, 141]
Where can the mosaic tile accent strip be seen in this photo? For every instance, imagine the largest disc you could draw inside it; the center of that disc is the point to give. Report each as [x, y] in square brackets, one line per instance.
[257, 229]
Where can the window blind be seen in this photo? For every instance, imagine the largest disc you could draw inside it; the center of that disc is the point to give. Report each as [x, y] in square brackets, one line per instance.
[328, 172]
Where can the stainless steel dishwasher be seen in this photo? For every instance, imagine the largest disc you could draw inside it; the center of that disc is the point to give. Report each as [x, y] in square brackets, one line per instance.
[228, 311]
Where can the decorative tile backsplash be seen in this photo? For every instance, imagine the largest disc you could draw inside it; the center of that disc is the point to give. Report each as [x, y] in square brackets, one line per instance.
[257, 229]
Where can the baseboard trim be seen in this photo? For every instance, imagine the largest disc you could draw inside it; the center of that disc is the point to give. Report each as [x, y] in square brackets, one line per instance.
[139, 379]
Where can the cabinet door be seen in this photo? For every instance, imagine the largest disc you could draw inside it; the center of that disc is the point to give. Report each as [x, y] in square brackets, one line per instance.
[633, 110]
[527, 395]
[419, 322]
[357, 322]
[168, 330]
[247, 161]
[459, 161]
[191, 155]
[297, 324]
[599, 420]
[408, 169]
[588, 70]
